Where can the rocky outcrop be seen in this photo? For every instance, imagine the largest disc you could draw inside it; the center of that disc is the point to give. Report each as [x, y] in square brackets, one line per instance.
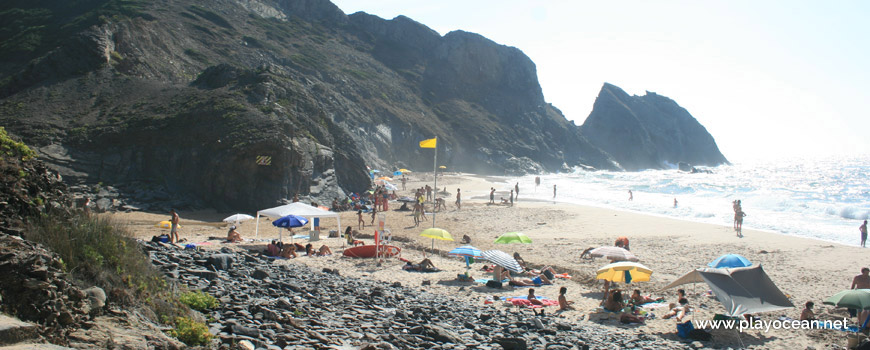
[648, 132]
[242, 104]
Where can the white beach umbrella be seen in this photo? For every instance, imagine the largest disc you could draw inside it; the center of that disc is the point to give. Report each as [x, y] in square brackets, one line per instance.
[613, 253]
[237, 218]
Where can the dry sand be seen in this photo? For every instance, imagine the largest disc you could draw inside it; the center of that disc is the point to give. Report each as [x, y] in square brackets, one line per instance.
[804, 269]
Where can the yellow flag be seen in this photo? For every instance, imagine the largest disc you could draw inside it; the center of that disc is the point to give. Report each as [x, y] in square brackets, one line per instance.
[430, 143]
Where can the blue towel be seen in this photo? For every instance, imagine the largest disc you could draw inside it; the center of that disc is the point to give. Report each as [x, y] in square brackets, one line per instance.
[627, 277]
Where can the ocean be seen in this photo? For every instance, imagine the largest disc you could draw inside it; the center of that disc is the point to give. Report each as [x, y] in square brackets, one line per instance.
[825, 199]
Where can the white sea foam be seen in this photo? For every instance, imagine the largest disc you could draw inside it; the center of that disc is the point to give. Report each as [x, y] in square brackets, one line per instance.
[824, 199]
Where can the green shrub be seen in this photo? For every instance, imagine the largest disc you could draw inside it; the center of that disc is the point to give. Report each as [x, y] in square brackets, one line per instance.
[98, 250]
[199, 301]
[12, 148]
[190, 332]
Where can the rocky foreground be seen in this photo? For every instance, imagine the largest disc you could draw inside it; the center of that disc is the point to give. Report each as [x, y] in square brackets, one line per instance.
[289, 306]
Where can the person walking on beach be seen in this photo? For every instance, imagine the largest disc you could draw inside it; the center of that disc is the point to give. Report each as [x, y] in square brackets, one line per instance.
[517, 190]
[554, 191]
[173, 231]
[458, 200]
[863, 229]
[404, 181]
[512, 197]
[359, 220]
[492, 195]
[675, 202]
[736, 205]
[630, 196]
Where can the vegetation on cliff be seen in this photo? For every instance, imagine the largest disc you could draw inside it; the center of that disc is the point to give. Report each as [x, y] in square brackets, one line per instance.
[84, 251]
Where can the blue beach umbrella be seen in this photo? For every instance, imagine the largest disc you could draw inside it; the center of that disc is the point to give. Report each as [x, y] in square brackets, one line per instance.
[468, 252]
[730, 260]
[289, 221]
[397, 173]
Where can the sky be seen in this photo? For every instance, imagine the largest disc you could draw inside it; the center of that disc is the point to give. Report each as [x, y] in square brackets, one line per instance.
[766, 78]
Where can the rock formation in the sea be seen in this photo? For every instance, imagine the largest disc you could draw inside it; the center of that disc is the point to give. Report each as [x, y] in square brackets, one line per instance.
[239, 104]
[648, 132]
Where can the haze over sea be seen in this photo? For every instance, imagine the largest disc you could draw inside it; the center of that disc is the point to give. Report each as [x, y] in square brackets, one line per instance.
[822, 198]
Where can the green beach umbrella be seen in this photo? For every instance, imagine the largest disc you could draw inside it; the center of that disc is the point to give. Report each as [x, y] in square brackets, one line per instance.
[513, 237]
[851, 298]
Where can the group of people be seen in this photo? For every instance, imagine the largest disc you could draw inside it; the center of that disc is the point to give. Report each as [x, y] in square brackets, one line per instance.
[289, 250]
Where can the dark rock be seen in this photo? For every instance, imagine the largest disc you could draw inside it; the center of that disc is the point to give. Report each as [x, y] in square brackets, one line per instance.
[246, 331]
[221, 261]
[648, 132]
[512, 343]
[261, 274]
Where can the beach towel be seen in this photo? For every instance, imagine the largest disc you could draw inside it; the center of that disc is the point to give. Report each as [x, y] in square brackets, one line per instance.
[528, 304]
[484, 280]
[563, 275]
[654, 304]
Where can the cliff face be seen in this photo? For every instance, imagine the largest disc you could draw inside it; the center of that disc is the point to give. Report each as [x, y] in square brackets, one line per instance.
[648, 132]
[243, 103]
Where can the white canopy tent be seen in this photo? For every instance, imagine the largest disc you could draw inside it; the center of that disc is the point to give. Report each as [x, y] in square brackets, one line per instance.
[299, 209]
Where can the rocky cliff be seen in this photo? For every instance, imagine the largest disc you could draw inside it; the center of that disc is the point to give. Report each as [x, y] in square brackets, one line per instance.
[243, 103]
[648, 132]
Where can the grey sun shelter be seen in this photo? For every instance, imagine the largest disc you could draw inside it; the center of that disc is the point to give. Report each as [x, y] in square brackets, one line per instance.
[741, 290]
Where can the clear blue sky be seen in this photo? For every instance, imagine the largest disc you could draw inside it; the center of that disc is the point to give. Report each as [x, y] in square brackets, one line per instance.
[766, 78]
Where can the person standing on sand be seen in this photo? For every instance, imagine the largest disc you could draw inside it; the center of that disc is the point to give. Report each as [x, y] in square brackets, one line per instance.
[359, 220]
[675, 202]
[512, 197]
[554, 191]
[404, 181]
[492, 195]
[630, 196]
[173, 231]
[863, 229]
[458, 200]
[517, 190]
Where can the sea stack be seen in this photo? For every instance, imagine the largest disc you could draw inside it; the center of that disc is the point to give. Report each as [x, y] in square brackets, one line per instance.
[648, 132]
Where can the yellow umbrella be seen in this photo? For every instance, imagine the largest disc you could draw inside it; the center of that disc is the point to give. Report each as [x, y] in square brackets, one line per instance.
[436, 233]
[405, 171]
[624, 272]
[387, 178]
[165, 224]
[442, 167]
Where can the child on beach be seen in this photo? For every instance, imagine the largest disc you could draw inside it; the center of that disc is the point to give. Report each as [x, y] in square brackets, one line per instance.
[564, 304]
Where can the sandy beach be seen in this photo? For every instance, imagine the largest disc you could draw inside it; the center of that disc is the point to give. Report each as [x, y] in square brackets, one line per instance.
[804, 269]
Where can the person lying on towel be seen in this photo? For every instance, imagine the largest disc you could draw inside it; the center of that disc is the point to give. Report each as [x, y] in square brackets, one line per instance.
[424, 266]
[637, 299]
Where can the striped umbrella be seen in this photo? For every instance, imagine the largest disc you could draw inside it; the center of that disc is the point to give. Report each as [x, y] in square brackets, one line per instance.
[502, 259]
[467, 251]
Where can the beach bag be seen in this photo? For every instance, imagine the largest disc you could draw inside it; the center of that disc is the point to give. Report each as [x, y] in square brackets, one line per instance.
[493, 284]
[683, 329]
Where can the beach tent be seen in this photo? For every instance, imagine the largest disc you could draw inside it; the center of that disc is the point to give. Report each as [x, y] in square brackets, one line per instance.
[741, 290]
[299, 209]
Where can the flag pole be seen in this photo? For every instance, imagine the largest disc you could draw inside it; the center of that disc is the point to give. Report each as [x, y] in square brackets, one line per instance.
[435, 190]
